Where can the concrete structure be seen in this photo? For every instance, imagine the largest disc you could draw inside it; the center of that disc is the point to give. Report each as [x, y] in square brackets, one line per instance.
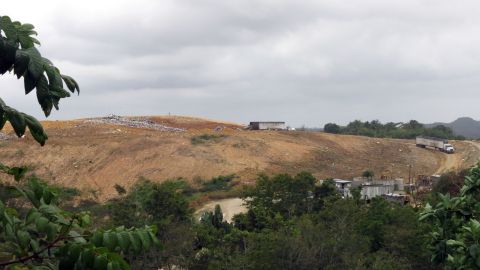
[370, 188]
[435, 179]
[374, 189]
[267, 125]
[343, 187]
[396, 198]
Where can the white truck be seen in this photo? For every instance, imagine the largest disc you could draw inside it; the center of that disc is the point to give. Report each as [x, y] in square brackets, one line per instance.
[436, 143]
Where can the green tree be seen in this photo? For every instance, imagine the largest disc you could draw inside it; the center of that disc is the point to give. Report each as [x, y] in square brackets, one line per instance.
[413, 124]
[283, 194]
[151, 203]
[164, 205]
[368, 174]
[331, 128]
[40, 235]
[19, 54]
[356, 193]
[455, 237]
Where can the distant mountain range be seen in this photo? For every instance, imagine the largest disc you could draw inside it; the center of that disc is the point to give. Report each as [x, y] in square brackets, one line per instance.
[465, 126]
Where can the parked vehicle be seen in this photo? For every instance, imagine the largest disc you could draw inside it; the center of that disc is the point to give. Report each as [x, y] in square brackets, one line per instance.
[436, 143]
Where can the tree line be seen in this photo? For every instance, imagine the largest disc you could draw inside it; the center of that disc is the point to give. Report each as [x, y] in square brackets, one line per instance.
[292, 222]
[375, 128]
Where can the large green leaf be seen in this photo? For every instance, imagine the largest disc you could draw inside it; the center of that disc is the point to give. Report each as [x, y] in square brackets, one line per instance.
[123, 240]
[43, 95]
[145, 238]
[17, 172]
[42, 224]
[29, 83]
[3, 120]
[110, 240]
[74, 252]
[71, 84]
[97, 238]
[8, 50]
[52, 230]
[87, 258]
[23, 238]
[24, 33]
[8, 28]
[53, 74]
[35, 66]
[100, 262]
[32, 215]
[135, 241]
[21, 63]
[17, 120]
[36, 129]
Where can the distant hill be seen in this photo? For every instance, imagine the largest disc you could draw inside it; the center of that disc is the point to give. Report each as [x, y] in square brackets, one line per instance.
[464, 126]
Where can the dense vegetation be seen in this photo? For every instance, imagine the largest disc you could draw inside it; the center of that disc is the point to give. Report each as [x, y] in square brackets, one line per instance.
[291, 223]
[294, 223]
[35, 233]
[455, 237]
[375, 128]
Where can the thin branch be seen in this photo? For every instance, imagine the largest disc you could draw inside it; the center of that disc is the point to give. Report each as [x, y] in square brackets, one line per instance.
[61, 237]
[34, 255]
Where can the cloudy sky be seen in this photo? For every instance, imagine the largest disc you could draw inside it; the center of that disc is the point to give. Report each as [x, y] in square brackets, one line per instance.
[304, 62]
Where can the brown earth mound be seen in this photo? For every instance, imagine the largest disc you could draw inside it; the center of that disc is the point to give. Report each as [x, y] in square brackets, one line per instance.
[93, 157]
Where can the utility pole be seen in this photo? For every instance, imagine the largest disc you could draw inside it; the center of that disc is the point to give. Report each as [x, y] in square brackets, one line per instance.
[409, 175]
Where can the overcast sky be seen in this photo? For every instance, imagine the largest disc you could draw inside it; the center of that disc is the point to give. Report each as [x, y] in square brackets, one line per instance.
[303, 62]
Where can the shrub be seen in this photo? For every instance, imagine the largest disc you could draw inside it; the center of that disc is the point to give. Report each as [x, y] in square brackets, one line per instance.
[222, 182]
[206, 137]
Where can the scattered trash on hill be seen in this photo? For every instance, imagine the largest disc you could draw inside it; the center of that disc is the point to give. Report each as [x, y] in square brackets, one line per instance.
[4, 137]
[133, 122]
[219, 128]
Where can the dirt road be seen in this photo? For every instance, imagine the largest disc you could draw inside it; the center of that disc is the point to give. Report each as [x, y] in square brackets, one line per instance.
[230, 207]
[467, 154]
[451, 162]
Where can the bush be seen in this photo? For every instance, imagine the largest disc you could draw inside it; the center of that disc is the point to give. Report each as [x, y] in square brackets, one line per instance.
[206, 137]
[41, 235]
[222, 182]
[332, 128]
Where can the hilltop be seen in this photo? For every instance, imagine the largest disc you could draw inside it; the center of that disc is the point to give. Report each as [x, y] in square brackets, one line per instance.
[95, 154]
[464, 126]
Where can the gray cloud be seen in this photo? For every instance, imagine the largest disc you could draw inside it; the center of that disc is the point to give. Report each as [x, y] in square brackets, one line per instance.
[306, 62]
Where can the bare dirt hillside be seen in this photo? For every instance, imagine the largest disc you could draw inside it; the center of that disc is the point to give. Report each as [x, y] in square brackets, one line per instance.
[93, 155]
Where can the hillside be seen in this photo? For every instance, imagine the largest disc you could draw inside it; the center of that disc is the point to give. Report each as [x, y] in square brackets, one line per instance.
[95, 154]
[464, 126]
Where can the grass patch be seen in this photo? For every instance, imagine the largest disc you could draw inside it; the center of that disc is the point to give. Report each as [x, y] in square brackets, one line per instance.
[67, 193]
[200, 139]
[239, 145]
[221, 182]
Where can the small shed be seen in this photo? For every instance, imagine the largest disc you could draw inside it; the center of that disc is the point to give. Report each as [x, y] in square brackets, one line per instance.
[343, 186]
[267, 125]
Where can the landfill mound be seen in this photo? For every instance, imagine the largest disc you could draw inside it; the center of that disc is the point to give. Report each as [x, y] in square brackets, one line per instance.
[134, 123]
[93, 155]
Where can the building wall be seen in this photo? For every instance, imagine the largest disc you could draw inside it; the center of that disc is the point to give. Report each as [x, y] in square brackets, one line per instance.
[370, 191]
[267, 125]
